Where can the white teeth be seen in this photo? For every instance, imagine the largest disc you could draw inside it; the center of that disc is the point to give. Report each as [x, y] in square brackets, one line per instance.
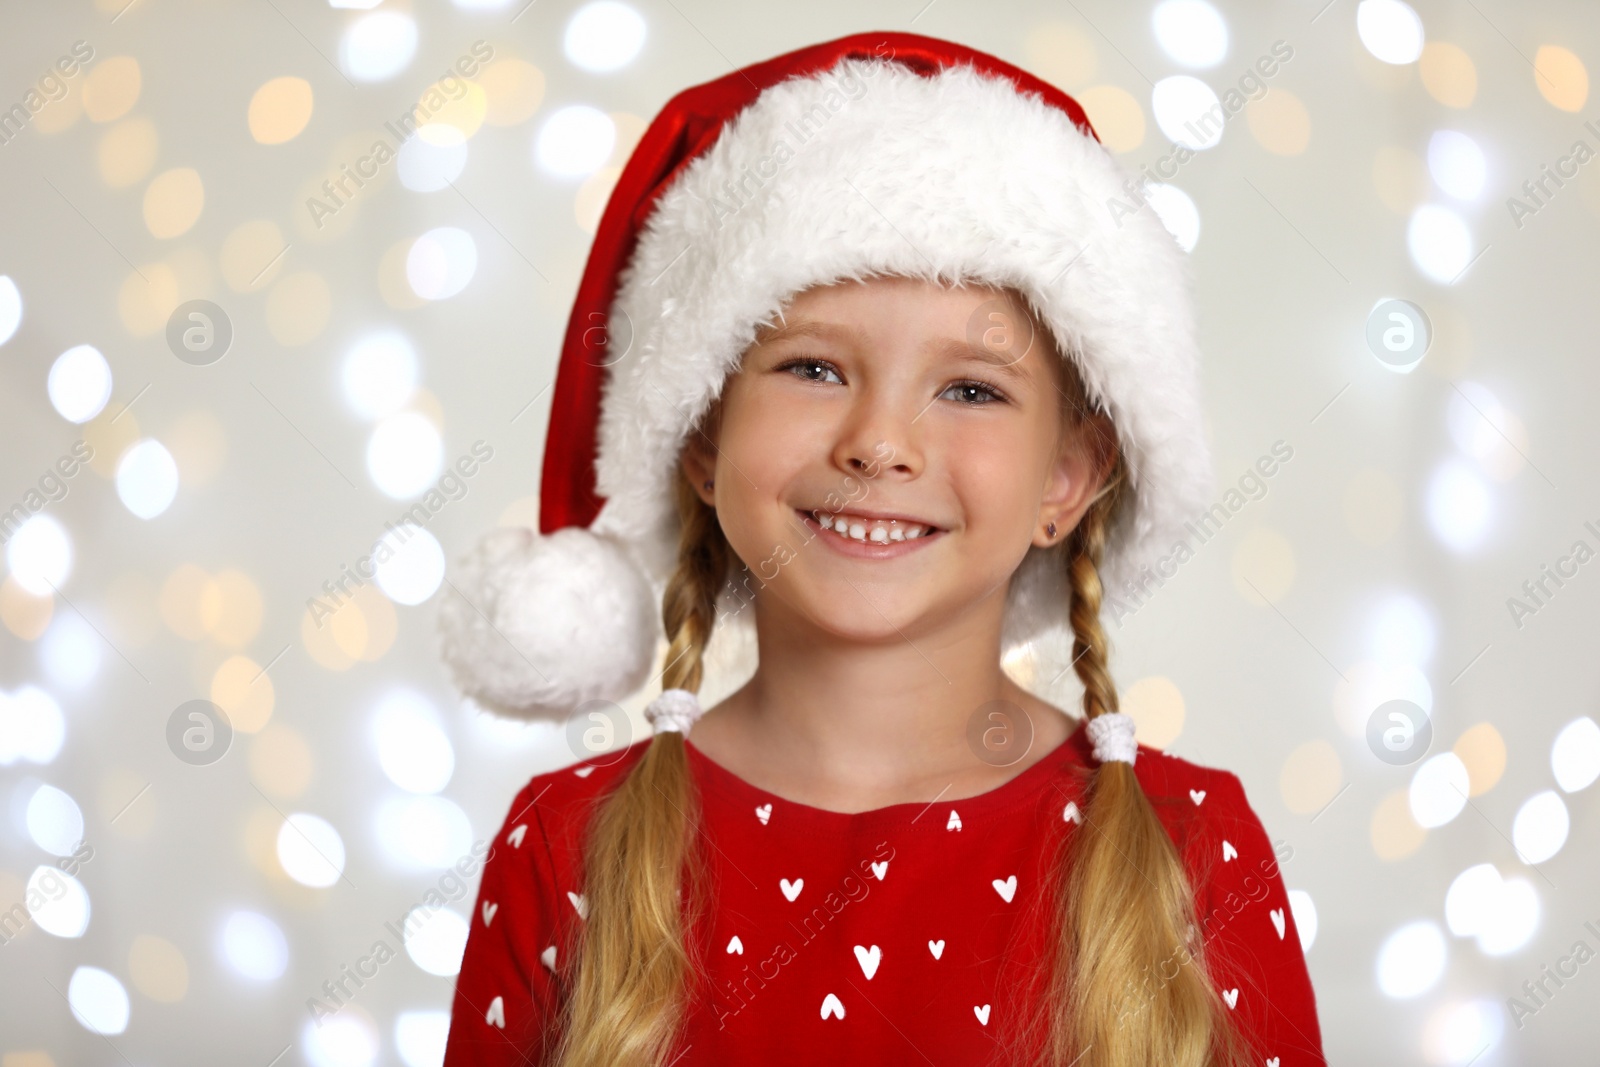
[877, 531]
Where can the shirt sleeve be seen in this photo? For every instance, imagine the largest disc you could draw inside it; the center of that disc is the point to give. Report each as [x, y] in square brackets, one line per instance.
[507, 997]
[1251, 943]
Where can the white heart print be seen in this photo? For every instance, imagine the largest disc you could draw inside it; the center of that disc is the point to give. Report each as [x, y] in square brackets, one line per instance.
[936, 947]
[792, 889]
[515, 836]
[488, 912]
[954, 822]
[764, 812]
[1277, 920]
[1197, 795]
[1273, 1062]
[584, 772]
[548, 957]
[880, 869]
[869, 960]
[1072, 814]
[736, 946]
[831, 1005]
[1007, 889]
[580, 902]
[1231, 996]
[1228, 851]
[982, 1014]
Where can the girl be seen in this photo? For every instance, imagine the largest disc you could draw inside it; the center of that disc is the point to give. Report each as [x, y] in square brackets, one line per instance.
[862, 359]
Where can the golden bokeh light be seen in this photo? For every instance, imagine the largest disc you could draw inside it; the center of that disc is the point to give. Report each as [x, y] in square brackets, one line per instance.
[514, 90]
[590, 202]
[27, 616]
[239, 621]
[244, 691]
[199, 445]
[1561, 77]
[190, 602]
[280, 762]
[252, 255]
[1448, 74]
[1394, 832]
[316, 634]
[1115, 115]
[1263, 566]
[1156, 705]
[298, 308]
[173, 201]
[1372, 506]
[128, 152]
[62, 114]
[111, 88]
[1280, 123]
[146, 299]
[158, 969]
[279, 110]
[1483, 751]
[465, 112]
[1312, 776]
[1062, 55]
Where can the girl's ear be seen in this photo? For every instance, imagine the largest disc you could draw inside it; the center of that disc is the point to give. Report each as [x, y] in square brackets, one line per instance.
[1088, 454]
[699, 460]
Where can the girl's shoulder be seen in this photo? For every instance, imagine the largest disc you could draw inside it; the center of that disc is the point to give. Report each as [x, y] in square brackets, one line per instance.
[555, 805]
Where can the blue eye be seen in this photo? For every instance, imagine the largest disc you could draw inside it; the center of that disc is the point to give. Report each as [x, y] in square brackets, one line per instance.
[979, 387]
[793, 366]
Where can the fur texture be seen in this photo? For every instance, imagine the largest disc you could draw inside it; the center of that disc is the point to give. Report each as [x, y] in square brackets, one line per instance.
[534, 626]
[872, 168]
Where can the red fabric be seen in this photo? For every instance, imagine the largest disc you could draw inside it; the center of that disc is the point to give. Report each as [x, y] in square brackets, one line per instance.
[865, 934]
[688, 124]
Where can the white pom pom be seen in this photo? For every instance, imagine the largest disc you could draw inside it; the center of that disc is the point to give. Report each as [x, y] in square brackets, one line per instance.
[533, 626]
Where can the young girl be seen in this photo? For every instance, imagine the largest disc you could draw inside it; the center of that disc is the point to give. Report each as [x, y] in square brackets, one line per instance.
[861, 358]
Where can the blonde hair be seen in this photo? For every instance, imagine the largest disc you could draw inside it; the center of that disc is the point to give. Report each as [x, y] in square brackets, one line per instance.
[1122, 910]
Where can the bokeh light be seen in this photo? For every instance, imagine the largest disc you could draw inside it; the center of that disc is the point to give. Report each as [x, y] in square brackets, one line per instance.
[1575, 755]
[423, 832]
[1390, 30]
[80, 383]
[147, 479]
[70, 653]
[379, 374]
[1188, 111]
[436, 939]
[10, 308]
[1540, 828]
[58, 902]
[413, 749]
[1439, 790]
[1190, 32]
[40, 555]
[1460, 506]
[280, 109]
[98, 1000]
[441, 263]
[415, 566]
[1412, 959]
[574, 141]
[310, 850]
[254, 946]
[604, 36]
[55, 822]
[1457, 164]
[1178, 213]
[376, 47]
[419, 1037]
[404, 455]
[1440, 243]
[432, 159]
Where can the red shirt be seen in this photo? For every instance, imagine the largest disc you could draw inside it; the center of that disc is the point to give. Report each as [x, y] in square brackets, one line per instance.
[890, 936]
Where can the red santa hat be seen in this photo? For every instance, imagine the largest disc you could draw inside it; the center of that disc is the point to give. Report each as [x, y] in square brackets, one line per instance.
[878, 153]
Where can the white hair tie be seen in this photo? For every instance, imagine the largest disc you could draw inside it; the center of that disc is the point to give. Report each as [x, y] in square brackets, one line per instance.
[674, 709]
[1112, 734]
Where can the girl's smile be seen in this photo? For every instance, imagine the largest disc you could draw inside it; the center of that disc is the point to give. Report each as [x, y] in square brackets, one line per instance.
[861, 536]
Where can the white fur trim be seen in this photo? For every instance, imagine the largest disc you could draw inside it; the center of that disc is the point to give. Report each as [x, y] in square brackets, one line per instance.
[957, 177]
[533, 626]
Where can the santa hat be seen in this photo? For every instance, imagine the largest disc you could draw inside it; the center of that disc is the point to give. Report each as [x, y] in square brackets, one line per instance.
[878, 153]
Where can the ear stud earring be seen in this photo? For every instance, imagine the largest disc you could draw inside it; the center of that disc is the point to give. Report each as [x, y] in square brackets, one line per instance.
[1050, 530]
[709, 483]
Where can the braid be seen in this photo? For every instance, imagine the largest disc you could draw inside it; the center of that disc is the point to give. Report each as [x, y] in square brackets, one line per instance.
[1086, 547]
[635, 971]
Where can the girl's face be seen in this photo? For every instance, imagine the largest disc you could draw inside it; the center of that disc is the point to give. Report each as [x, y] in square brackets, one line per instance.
[895, 398]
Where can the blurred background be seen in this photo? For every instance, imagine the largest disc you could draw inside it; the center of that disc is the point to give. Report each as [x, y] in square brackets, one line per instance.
[282, 285]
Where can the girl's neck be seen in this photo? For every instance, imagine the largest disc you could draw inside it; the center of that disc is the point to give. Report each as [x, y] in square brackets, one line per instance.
[851, 726]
